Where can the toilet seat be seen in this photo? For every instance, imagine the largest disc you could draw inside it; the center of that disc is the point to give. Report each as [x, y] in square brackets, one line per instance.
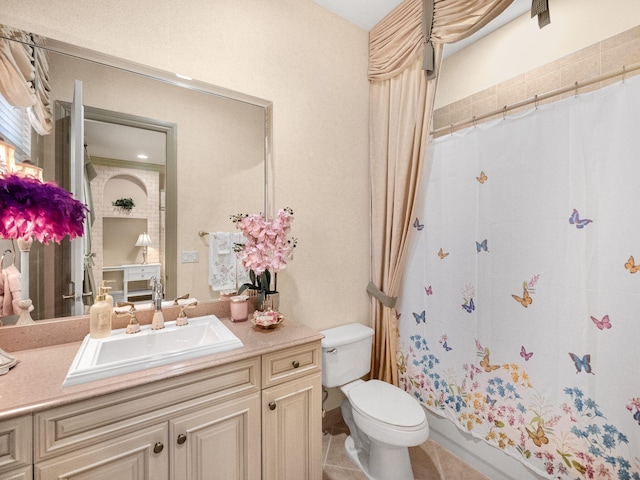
[387, 404]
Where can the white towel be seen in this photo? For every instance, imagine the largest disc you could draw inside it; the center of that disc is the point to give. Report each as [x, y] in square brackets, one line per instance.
[225, 270]
[242, 275]
[222, 261]
[11, 300]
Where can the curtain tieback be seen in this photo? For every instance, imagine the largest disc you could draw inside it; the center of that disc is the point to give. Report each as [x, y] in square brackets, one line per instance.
[383, 298]
[428, 56]
[541, 9]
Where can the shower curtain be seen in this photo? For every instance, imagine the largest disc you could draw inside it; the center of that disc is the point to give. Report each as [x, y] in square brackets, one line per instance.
[519, 316]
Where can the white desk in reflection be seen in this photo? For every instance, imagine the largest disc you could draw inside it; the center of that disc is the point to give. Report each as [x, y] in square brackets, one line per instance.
[134, 273]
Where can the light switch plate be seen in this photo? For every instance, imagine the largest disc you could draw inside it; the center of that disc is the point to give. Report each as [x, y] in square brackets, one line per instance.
[189, 257]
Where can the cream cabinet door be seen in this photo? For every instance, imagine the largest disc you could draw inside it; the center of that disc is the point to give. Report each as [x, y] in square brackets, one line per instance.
[142, 455]
[21, 474]
[292, 430]
[16, 448]
[218, 442]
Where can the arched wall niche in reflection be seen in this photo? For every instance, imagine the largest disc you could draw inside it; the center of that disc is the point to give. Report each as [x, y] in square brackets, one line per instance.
[116, 229]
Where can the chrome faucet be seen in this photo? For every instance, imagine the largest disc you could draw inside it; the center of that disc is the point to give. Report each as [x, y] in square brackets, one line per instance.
[156, 297]
[156, 292]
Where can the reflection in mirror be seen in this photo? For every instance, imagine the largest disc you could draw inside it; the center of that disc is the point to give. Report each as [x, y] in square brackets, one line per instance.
[113, 143]
[128, 165]
[216, 145]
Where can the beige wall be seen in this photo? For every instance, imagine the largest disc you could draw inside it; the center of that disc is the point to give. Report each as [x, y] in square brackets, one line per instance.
[520, 46]
[588, 63]
[312, 65]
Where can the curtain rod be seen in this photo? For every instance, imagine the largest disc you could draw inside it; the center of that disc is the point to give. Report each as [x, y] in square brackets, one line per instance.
[535, 99]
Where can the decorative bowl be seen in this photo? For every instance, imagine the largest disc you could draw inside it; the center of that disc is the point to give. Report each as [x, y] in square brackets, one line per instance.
[267, 320]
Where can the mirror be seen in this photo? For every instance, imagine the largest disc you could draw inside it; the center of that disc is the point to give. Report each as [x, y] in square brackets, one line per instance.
[217, 147]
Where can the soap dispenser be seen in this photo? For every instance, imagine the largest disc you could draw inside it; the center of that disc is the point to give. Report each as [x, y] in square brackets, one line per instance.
[100, 318]
[105, 291]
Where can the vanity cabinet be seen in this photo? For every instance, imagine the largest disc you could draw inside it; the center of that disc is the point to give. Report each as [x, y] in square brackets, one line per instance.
[16, 448]
[217, 441]
[252, 419]
[173, 429]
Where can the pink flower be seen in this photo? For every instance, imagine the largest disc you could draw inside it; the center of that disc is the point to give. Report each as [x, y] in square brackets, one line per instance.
[267, 318]
[267, 246]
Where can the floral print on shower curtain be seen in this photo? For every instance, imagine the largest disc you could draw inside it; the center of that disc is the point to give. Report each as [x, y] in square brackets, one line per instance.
[520, 307]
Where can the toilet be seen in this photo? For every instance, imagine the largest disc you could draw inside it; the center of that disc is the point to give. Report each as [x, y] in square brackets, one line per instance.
[383, 420]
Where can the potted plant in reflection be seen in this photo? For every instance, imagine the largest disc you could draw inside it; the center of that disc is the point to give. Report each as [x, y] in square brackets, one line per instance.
[125, 204]
[265, 252]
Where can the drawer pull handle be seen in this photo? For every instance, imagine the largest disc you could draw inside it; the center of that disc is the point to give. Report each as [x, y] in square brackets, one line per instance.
[158, 447]
[295, 364]
[182, 438]
[272, 405]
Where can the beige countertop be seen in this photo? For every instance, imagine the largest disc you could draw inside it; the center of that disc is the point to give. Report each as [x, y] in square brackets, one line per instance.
[35, 383]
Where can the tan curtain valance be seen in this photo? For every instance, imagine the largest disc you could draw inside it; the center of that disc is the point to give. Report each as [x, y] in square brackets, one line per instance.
[396, 41]
[24, 77]
[455, 20]
[400, 36]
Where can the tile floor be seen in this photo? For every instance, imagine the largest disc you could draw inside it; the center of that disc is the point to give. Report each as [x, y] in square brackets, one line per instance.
[430, 461]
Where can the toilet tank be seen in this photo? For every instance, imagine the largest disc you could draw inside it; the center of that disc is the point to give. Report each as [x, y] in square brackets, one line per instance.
[346, 354]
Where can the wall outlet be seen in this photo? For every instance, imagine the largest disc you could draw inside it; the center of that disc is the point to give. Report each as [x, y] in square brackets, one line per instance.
[189, 257]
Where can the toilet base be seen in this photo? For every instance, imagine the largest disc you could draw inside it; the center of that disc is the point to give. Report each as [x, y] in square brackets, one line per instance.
[383, 462]
[352, 452]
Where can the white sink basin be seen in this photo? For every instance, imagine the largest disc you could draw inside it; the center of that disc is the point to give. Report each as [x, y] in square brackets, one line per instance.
[121, 353]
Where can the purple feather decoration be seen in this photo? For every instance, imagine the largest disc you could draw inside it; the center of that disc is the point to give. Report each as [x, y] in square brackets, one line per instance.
[30, 208]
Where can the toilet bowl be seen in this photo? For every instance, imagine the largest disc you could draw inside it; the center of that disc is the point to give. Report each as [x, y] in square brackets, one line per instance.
[383, 420]
[387, 413]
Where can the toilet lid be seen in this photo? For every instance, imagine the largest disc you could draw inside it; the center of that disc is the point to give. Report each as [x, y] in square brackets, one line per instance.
[387, 403]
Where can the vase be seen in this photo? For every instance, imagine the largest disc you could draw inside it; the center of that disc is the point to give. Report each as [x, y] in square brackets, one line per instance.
[239, 308]
[271, 302]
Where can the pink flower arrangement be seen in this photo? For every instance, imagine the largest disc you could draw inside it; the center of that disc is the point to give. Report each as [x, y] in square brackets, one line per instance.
[31, 208]
[267, 248]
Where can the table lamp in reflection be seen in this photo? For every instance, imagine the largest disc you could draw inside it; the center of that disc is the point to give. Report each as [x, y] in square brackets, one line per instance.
[144, 241]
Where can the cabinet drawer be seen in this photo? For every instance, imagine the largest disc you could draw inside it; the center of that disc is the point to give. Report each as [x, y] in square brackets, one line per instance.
[136, 277]
[287, 364]
[143, 273]
[69, 427]
[15, 444]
